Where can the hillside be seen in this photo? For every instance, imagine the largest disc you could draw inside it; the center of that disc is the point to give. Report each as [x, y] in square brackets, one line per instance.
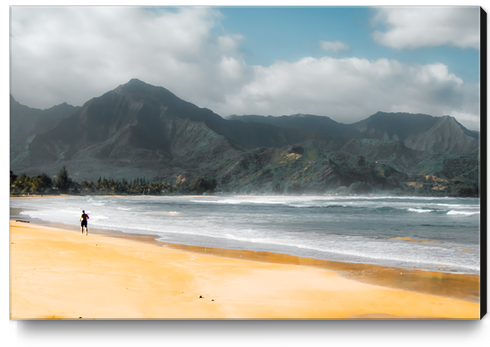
[306, 122]
[140, 130]
[26, 122]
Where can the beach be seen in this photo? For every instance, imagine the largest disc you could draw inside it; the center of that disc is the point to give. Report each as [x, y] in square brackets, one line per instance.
[57, 273]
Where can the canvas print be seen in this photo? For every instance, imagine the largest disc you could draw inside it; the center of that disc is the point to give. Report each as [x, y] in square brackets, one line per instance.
[246, 163]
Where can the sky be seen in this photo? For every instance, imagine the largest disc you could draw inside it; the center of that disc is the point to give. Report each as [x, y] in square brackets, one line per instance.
[346, 63]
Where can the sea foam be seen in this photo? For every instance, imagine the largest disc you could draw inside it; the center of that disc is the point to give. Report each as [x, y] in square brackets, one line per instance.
[465, 213]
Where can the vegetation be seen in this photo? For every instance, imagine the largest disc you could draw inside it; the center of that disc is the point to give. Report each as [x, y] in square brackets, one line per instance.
[63, 184]
[274, 171]
[24, 184]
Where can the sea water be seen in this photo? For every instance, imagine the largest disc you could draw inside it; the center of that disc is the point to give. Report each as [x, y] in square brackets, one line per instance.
[440, 234]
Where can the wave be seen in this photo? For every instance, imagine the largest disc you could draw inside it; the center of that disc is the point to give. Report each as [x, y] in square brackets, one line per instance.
[309, 204]
[329, 203]
[230, 202]
[451, 205]
[161, 213]
[342, 251]
[465, 213]
[419, 210]
[318, 206]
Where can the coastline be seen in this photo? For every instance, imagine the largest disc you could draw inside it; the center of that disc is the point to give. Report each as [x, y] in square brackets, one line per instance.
[458, 286]
[59, 274]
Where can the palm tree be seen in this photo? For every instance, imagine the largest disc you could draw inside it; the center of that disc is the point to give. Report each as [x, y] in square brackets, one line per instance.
[64, 182]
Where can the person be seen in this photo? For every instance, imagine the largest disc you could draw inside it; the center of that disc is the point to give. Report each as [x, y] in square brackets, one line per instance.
[84, 217]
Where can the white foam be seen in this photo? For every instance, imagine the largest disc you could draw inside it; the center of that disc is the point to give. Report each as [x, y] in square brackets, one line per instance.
[466, 213]
[451, 205]
[419, 210]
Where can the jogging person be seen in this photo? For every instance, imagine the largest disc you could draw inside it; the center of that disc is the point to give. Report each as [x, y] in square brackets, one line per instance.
[84, 217]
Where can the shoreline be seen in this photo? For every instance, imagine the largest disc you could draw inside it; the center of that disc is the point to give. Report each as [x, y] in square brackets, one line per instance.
[445, 284]
[60, 274]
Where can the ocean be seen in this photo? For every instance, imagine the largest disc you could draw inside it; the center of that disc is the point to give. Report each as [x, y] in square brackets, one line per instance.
[438, 234]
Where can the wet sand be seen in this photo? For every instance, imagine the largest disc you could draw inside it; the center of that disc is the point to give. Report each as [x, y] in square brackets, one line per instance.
[56, 273]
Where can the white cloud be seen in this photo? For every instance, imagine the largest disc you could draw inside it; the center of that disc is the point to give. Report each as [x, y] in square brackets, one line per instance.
[351, 89]
[334, 46]
[417, 27]
[72, 54]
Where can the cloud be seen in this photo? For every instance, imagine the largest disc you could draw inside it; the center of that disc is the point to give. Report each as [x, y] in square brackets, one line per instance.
[333, 46]
[418, 27]
[351, 89]
[72, 54]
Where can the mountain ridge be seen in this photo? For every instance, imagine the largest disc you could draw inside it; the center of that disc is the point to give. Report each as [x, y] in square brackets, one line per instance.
[139, 130]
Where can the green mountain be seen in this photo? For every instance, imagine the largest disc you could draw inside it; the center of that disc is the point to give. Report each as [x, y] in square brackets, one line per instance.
[307, 122]
[302, 171]
[139, 130]
[420, 132]
[26, 122]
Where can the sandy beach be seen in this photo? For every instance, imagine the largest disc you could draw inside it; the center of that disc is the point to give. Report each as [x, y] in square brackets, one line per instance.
[58, 273]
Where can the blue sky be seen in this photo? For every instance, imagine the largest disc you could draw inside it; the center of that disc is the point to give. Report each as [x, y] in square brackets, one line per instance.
[346, 63]
[291, 33]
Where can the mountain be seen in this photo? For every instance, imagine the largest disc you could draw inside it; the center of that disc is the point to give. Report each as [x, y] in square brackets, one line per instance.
[390, 152]
[140, 130]
[26, 122]
[419, 132]
[306, 122]
[133, 130]
[302, 171]
[401, 140]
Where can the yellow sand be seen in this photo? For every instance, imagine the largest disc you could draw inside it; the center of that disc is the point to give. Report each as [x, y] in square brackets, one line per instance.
[60, 274]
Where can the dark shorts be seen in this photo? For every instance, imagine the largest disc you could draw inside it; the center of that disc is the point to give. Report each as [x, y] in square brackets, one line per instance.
[84, 223]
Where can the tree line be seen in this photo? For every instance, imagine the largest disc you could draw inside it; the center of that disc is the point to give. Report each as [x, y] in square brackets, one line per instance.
[64, 184]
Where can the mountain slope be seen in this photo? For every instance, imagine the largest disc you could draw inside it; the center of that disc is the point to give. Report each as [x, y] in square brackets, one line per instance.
[25, 121]
[139, 130]
[306, 122]
[146, 128]
[446, 136]
[241, 135]
[389, 152]
[419, 132]
[310, 171]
